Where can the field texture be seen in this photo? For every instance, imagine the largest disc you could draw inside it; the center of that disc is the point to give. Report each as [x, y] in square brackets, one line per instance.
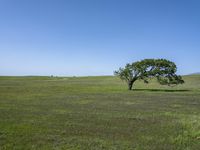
[98, 113]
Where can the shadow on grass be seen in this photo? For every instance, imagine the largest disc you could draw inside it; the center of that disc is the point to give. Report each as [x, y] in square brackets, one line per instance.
[160, 90]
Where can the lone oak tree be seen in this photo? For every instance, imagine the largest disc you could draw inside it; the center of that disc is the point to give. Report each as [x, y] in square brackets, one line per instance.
[161, 69]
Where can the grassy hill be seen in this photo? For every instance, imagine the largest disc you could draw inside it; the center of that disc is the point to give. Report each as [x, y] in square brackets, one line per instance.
[98, 113]
[196, 73]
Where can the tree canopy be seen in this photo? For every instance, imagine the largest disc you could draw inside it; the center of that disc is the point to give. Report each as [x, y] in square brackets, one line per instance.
[161, 69]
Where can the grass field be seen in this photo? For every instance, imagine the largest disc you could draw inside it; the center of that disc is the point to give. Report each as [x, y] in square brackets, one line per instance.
[98, 113]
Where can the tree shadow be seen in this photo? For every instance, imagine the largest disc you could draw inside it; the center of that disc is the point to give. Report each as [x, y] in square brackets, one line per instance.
[160, 90]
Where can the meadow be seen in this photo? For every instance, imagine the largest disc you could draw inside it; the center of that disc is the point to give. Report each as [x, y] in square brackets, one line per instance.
[98, 113]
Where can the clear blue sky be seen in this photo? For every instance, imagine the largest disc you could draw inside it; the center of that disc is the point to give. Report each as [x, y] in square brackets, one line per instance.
[95, 37]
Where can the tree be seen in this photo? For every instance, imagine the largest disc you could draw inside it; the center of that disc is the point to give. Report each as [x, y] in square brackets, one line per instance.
[161, 69]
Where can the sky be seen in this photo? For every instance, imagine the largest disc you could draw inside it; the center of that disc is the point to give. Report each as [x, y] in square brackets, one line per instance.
[96, 37]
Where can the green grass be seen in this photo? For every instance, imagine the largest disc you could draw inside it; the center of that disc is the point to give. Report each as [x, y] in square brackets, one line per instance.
[98, 113]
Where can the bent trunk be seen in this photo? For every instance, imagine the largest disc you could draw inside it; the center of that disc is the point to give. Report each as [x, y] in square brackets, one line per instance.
[130, 85]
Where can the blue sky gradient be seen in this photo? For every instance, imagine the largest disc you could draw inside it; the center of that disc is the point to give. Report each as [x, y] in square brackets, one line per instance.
[96, 37]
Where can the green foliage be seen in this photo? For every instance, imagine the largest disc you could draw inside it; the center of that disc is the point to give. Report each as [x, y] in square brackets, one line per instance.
[163, 70]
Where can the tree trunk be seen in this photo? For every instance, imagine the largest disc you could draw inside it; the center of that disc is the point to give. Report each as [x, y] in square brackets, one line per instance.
[130, 85]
